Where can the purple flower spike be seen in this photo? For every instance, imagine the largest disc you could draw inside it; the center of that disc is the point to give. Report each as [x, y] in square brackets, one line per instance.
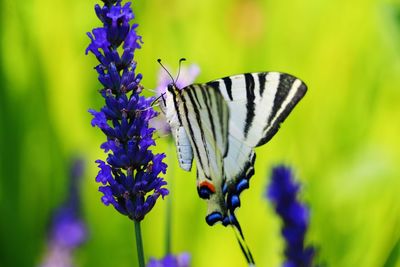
[283, 192]
[130, 175]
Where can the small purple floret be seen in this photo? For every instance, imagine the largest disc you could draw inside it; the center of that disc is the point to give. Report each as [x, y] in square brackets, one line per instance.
[181, 260]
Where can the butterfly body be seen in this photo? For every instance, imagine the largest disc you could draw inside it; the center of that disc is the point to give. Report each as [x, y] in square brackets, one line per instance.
[219, 123]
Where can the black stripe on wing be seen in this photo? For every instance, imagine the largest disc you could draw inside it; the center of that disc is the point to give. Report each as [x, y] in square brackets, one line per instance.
[206, 95]
[250, 103]
[191, 133]
[175, 100]
[285, 84]
[261, 82]
[223, 120]
[228, 86]
[274, 122]
[197, 107]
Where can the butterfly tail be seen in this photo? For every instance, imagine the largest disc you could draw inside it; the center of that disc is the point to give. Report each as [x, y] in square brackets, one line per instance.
[241, 240]
[232, 201]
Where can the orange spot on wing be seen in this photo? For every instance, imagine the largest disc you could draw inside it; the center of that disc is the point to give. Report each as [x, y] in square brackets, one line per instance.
[208, 184]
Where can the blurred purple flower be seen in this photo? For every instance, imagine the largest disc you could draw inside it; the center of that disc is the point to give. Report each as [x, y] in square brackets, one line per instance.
[181, 260]
[186, 77]
[130, 176]
[67, 230]
[283, 192]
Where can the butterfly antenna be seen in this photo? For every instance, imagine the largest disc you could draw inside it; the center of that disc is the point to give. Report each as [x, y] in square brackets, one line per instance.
[159, 62]
[155, 100]
[150, 90]
[159, 136]
[179, 69]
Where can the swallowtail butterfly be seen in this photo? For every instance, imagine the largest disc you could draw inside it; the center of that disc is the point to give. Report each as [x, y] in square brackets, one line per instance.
[219, 123]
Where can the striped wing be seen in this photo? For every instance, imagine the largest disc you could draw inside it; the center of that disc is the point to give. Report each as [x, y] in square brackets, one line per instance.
[205, 116]
[258, 103]
[183, 148]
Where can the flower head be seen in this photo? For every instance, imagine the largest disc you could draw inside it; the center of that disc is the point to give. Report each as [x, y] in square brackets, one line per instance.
[283, 193]
[130, 175]
[181, 260]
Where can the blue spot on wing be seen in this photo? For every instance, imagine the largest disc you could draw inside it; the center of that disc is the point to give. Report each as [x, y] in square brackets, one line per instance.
[214, 217]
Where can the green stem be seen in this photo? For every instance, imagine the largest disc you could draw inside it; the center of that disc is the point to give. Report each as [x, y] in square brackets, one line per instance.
[168, 223]
[139, 244]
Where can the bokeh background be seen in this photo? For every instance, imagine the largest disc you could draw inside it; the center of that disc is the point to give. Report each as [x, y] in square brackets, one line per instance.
[342, 140]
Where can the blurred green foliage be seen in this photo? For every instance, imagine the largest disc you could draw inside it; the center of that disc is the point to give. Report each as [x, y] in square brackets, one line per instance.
[342, 140]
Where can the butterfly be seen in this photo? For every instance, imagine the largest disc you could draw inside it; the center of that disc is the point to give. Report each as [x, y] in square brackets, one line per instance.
[219, 123]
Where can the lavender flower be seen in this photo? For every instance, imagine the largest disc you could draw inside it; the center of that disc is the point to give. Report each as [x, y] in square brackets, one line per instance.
[68, 231]
[181, 260]
[283, 192]
[130, 174]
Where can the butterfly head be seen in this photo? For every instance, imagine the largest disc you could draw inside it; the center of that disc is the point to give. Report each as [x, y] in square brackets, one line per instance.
[172, 88]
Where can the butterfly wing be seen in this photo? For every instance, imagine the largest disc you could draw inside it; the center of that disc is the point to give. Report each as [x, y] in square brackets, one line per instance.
[183, 148]
[205, 116]
[258, 103]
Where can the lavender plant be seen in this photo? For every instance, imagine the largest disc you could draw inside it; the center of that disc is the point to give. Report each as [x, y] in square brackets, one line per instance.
[130, 176]
[283, 193]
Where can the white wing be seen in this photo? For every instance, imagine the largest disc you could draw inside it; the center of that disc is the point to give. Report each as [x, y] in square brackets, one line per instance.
[183, 148]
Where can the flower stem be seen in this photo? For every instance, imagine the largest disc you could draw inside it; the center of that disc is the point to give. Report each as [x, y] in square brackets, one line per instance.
[168, 226]
[168, 223]
[139, 243]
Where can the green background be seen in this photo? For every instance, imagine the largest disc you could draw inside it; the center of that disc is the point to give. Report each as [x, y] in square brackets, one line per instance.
[342, 140]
